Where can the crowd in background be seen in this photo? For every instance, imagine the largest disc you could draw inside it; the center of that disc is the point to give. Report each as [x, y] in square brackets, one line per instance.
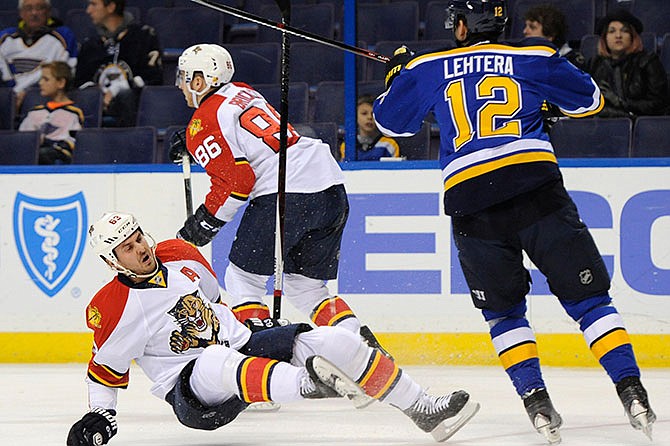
[123, 55]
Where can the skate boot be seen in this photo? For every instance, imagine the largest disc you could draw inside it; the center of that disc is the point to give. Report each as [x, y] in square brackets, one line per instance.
[370, 339]
[331, 382]
[636, 404]
[442, 416]
[542, 414]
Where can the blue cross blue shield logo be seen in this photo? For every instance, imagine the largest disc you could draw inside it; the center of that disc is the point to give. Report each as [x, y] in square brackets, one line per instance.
[50, 236]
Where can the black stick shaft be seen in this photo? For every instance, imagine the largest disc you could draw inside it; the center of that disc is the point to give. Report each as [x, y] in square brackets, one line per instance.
[281, 180]
[286, 29]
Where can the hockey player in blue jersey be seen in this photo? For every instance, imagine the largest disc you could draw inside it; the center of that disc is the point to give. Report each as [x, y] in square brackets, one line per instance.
[505, 194]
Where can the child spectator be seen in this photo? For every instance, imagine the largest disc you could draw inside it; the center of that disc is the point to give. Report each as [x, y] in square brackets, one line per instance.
[58, 119]
[371, 145]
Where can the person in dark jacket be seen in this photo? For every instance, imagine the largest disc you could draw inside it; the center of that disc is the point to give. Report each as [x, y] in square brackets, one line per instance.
[632, 80]
[121, 59]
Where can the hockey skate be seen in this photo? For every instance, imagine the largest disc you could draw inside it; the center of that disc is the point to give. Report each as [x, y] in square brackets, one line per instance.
[542, 414]
[636, 404]
[329, 382]
[264, 406]
[442, 416]
[372, 341]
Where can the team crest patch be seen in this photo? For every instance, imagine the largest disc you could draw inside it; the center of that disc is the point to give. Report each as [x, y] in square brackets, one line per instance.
[94, 317]
[195, 127]
[50, 236]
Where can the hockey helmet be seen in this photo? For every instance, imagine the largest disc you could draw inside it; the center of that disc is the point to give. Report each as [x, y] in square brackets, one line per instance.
[112, 229]
[213, 61]
[481, 16]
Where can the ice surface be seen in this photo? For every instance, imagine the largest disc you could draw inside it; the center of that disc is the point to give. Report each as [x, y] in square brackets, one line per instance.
[39, 403]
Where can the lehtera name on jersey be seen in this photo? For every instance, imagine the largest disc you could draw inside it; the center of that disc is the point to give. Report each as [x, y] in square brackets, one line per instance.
[489, 63]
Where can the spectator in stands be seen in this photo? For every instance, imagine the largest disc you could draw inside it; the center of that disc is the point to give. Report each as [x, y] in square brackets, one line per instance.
[632, 80]
[549, 22]
[37, 38]
[371, 145]
[121, 59]
[58, 119]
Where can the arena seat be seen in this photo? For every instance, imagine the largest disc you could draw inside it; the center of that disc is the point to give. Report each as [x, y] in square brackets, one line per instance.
[329, 99]
[650, 137]
[124, 145]
[255, 63]
[388, 21]
[316, 19]
[7, 108]
[161, 106]
[18, 148]
[592, 137]
[298, 99]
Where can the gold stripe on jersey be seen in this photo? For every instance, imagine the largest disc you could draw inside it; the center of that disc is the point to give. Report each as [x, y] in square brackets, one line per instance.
[517, 354]
[248, 310]
[331, 312]
[239, 196]
[253, 379]
[240, 161]
[484, 168]
[380, 375]
[609, 341]
[588, 112]
[107, 376]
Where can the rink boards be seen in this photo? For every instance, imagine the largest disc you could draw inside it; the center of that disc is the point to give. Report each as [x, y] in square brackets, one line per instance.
[399, 271]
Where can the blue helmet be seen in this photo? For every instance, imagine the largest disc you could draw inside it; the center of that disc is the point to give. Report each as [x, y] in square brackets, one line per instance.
[481, 16]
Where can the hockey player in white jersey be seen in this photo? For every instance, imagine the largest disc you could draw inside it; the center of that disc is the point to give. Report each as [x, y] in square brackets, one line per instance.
[163, 311]
[234, 136]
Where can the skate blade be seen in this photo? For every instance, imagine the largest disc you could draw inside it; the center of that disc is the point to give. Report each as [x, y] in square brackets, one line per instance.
[553, 436]
[450, 426]
[264, 406]
[343, 385]
[640, 419]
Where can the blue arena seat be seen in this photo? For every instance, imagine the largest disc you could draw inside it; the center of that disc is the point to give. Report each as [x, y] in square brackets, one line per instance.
[298, 99]
[592, 137]
[589, 46]
[313, 63]
[80, 23]
[665, 52]
[18, 148]
[255, 63]
[434, 20]
[376, 70]
[161, 106]
[650, 137]
[416, 147]
[329, 99]
[388, 21]
[581, 16]
[9, 18]
[7, 108]
[124, 145]
[317, 19]
[144, 6]
[654, 14]
[180, 28]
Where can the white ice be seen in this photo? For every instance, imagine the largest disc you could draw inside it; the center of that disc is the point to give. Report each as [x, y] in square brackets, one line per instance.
[38, 404]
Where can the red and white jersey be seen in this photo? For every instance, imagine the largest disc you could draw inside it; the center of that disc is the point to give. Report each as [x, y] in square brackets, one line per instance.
[234, 136]
[161, 324]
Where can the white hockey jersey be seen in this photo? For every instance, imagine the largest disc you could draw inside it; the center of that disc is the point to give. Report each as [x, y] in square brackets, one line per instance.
[55, 121]
[161, 323]
[234, 136]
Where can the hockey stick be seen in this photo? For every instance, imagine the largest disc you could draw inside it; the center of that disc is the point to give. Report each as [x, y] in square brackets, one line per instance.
[188, 195]
[285, 8]
[286, 29]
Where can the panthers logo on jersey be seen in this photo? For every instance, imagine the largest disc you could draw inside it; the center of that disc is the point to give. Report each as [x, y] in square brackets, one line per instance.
[199, 326]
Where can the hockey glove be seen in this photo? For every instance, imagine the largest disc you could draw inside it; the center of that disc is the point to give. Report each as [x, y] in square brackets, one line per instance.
[400, 58]
[94, 429]
[178, 147]
[201, 227]
[257, 324]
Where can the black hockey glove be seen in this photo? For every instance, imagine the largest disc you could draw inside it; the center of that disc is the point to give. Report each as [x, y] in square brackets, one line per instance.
[94, 429]
[178, 147]
[201, 227]
[257, 324]
[400, 58]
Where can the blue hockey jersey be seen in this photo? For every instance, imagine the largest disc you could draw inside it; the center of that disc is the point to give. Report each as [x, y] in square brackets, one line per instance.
[487, 101]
